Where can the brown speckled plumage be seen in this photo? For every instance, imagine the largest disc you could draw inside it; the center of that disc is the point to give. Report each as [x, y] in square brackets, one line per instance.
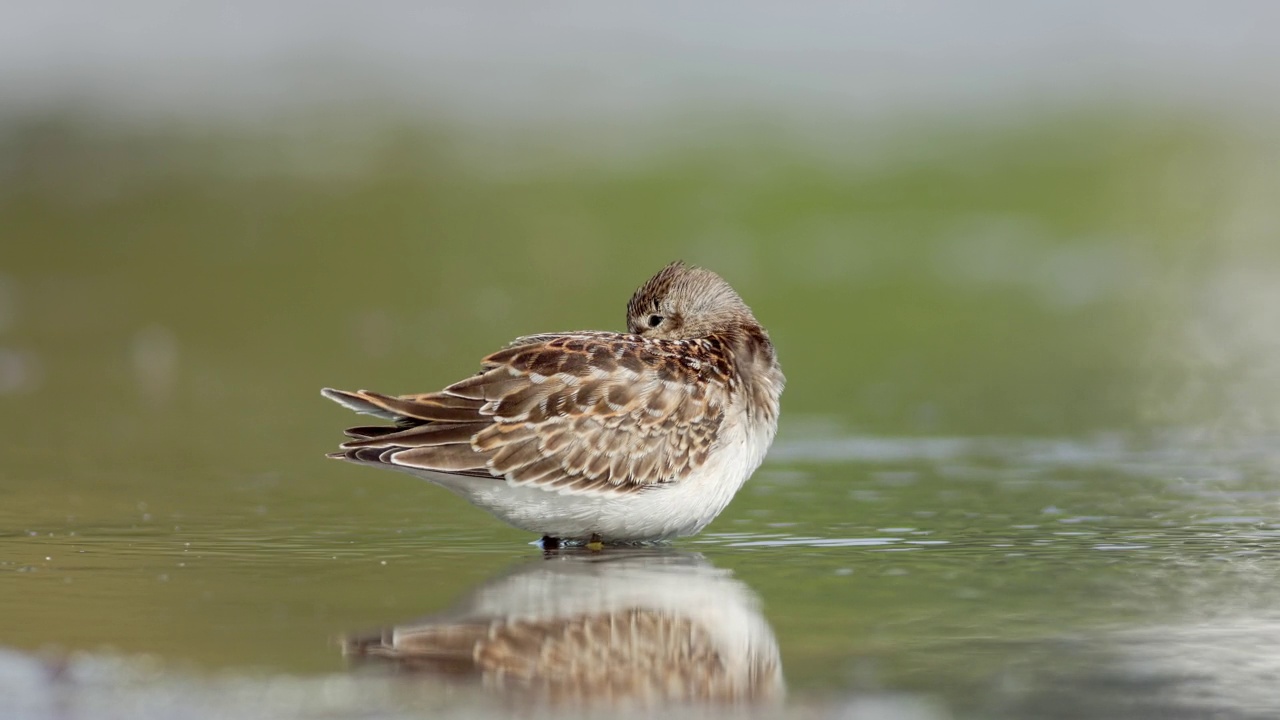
[604, 412]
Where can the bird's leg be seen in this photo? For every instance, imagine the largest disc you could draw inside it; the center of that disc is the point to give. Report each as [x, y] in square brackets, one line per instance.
[596, 543]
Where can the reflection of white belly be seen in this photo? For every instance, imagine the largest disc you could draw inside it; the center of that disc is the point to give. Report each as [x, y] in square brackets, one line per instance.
[656, 513]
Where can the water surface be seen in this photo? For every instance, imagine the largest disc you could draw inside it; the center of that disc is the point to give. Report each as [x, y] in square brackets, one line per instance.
[989, 577]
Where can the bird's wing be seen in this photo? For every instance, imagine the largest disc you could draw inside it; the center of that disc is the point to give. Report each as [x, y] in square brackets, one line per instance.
[574, 412]
[631, 653]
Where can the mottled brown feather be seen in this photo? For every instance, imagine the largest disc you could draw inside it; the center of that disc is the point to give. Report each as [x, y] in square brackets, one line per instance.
[546, 411]
[602, 411]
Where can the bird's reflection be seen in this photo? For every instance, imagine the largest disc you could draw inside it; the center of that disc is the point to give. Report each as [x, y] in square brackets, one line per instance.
[621, 627]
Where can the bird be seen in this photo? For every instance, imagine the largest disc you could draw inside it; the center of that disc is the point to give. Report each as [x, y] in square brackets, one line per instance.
[597, 437]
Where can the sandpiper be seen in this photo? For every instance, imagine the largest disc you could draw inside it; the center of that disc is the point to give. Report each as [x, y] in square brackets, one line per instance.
[589, 437]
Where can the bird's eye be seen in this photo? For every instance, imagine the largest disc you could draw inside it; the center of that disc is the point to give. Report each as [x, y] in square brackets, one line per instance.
[655, 320]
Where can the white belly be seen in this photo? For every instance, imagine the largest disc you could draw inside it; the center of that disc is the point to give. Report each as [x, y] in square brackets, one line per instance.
[656, 513]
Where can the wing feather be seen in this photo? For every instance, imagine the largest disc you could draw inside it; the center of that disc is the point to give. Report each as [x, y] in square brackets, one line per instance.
[426, 435]
[444, 458]
[594, 412]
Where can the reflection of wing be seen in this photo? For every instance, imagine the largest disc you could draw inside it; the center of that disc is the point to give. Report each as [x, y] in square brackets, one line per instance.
[633, 654]
[640, 630]
[582, 411]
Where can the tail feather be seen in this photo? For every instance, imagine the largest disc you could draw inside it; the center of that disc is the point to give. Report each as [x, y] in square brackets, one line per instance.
[431, 432]
[359, 402]
[371, 431]
[425, 435]
[429, 407]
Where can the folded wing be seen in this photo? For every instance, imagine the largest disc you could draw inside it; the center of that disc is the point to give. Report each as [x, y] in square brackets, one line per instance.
[581, 412]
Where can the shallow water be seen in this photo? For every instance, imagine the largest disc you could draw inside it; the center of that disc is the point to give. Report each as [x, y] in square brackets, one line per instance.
[889, 577]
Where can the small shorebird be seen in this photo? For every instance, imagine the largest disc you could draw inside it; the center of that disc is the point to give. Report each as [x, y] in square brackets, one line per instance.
[598, 436]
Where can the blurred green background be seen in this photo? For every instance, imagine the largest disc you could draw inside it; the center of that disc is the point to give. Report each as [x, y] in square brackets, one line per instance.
[1056, 227]
[1111, 268]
